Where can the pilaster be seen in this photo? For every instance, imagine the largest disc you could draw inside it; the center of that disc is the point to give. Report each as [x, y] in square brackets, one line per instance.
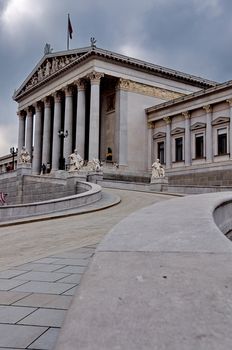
[187, 141]
[209, 134]
[168, 142]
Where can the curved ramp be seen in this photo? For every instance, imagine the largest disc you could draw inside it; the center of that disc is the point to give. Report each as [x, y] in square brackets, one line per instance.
[160, 280]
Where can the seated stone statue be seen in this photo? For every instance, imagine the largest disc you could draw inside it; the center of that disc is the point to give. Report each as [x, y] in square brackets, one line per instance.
[157, 170]
[95, 165]
[24, 156]
[75, 161]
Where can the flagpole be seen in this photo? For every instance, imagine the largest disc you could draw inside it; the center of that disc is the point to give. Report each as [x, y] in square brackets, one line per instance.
[68, 33]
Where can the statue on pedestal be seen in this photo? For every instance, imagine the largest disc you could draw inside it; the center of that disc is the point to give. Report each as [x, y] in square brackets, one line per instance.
[75, 161]
[157, 170]
[95, 165]
[24, 156]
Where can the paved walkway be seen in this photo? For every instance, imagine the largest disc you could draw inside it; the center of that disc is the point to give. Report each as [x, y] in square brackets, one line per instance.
[42, 264]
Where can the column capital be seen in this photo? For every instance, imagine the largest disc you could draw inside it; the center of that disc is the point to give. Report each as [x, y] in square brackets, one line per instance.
[123, 84]
[95, 77]
[21, 114]
[68, 90]
[167, 120]
[186, 115]
[81, 84]
[30, 111]
[38, 107]
[47, 102]
[229, 101]
[207, 108]
[58, 96]
[150, 125]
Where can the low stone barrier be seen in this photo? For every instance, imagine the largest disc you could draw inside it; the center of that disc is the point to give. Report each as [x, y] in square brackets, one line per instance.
[161, 279]
[91, 193]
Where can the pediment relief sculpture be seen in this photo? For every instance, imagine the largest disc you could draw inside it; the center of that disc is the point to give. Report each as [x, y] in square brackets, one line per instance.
[198, 125]
[50, 66]
[220, 120]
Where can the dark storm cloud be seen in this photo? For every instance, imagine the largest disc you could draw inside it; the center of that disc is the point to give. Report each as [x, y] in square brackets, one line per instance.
[193, 36]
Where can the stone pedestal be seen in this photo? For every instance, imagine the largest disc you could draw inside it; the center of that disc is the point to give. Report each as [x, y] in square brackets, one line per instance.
[80, 175]
[23, 169]
[95, 177]
[159, 184]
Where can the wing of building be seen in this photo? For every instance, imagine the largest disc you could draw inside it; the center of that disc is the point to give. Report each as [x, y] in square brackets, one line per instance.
[117, 109]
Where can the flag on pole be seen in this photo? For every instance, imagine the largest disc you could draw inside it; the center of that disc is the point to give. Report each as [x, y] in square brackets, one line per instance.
[70, 29]
[3, 198]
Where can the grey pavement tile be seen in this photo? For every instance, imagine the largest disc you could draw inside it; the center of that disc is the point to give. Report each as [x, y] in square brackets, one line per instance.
[18, 336]
[46, 341]
[73, 269]
[79, 262]
[44, 287]
[46, 261]
[73, 278]
[13, 314]
[8, 298]
[74, 255]
[41, 276]
[11, 273]
[45, 317]
[71, 291]
[9, 284]
[46, 300]
[39, 267]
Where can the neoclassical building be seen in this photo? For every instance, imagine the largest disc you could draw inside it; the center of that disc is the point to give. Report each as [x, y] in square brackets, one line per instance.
[115, 108]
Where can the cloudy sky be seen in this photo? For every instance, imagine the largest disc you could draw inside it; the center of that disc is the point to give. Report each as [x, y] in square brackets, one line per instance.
[194, 36]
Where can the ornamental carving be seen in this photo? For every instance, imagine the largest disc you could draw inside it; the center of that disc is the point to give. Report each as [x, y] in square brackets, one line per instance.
[81, 84]
[150, 125]
[167, 120]
[148, 90]
[95, 77]
[207, 108]
[186, 115]
[49, 67]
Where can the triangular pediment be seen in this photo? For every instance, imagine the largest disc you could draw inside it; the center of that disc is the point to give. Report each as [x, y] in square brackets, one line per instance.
[159, 135]
[48, 67]
[221, 120]
[177, 131]
[198, 125]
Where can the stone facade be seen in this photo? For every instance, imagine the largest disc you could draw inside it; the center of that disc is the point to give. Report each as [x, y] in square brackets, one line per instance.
[94, 100]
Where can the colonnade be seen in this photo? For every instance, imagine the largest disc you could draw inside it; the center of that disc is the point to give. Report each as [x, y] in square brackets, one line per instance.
[44, 118]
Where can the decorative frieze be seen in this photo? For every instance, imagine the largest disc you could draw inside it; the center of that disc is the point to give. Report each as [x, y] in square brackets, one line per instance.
[147, 90]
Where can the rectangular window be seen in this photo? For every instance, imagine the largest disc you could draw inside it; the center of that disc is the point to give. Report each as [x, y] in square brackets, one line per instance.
[179, 149]
[199, 146]
[222, 141]
[160, 152]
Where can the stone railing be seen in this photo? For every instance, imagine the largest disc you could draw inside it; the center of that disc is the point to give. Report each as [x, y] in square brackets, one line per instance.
[161, 279]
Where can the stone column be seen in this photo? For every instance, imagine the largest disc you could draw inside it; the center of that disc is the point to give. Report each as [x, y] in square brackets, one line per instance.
[209, 134]
[56, 128]
[187, 141]
[150, 147]
[230, 132]
[121, 122]
[80, 120]
[168, 142]
[68, 120]
[47, 131]
[95, 78]
[21, 131]
[29, 134]
[36, 160]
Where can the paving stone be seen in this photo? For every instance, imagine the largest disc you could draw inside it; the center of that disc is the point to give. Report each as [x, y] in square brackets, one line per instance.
[7, 298]
[39, 267]
[13, 314]
[74, 255]
[9, 284]
[11, 273]
[41, 276]
[18, 336]
[45, 317]
[44, 287]
[78, 262]
[73, 269]
[46, 260]
[46, 300]
[71, 291]
[73, 278]
[46, 341]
